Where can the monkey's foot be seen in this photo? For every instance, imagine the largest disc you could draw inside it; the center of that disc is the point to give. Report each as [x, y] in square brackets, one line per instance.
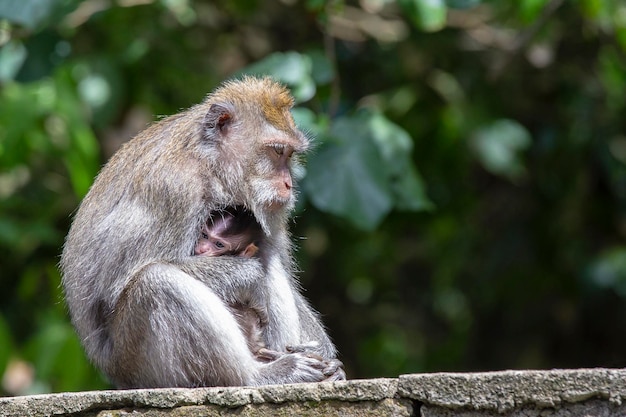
[288, 367]
[332, 370]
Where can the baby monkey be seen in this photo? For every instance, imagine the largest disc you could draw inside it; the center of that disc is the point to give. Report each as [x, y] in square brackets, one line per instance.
[235, 232]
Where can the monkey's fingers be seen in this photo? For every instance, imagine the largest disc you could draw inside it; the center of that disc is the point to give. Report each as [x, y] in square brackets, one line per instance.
[304, 347]
[314, 356]
[340, 375]
[314, 361]
[332, 366]
[268, 355]
[334, 370]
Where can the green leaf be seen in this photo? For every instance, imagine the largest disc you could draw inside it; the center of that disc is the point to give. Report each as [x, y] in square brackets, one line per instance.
[609, 270]
[348, 177]
[364, 169]
[393, 141]
[427, 15]
[52, 348]
[81, 158]
[322, 69]
[12, 56]
[396, 147]
[499, 146]
[530, 9]
[29, 13]
[309, 122]
[409, 190]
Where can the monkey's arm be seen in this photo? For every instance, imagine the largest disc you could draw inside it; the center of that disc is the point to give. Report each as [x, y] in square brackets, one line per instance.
[294, 326]
[231, 277]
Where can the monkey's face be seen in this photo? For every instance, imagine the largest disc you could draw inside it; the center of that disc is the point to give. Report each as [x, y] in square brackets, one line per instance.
[253, 144]
[256, 139]
[272, 184]
[221, 236]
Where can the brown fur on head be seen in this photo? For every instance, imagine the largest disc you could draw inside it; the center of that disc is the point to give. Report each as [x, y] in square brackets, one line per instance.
[272, 100]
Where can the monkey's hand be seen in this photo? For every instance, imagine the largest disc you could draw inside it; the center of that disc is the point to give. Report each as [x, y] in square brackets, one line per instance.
[288, 368]
[334, 367]
[334, 370]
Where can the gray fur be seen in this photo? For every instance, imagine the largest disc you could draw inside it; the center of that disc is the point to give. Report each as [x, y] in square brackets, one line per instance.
[151, 314]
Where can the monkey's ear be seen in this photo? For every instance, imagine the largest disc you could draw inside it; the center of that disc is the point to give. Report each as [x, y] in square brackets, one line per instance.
[218, 119]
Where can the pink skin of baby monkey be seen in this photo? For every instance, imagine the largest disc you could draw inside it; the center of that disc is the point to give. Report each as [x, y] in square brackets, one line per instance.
[234, 234]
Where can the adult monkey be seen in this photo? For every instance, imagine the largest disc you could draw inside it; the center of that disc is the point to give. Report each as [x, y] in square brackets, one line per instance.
[150, 313]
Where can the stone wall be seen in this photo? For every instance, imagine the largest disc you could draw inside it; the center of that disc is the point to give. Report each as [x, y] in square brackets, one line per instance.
[583, 392]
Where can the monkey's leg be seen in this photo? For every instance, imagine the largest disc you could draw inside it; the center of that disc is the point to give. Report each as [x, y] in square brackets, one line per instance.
[170, 329]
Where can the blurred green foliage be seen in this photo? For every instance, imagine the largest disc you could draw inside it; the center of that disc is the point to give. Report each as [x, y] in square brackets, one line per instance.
[464, 207]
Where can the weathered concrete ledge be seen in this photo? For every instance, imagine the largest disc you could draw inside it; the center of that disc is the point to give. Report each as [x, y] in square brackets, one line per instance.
[580, 392]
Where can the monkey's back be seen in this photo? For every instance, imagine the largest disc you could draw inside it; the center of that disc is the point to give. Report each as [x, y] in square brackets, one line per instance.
[128, 219]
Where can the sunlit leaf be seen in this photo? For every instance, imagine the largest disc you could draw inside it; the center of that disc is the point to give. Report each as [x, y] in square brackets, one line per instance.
[530, 9]
[392, 140]
[396, 147]
[310, 123]
[81, 172]
[499, 146]
[428, 15]
[608, 270]
[29, 13]
[95, 90]
[12, 56]
[365, 170]
[409, 190]
[594, 8]
[348, 177]
[322, 69]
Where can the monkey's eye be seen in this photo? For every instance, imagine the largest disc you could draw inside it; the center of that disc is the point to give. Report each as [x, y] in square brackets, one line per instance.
[279, 149]
[282, 150]
[219, 244]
